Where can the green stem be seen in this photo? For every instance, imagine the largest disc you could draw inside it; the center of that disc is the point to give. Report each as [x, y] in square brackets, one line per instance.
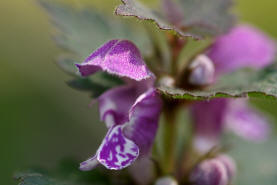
[169, 137]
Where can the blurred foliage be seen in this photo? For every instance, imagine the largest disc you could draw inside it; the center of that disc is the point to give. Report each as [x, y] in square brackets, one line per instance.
[256, 162]
[68, 173]
[42, 119]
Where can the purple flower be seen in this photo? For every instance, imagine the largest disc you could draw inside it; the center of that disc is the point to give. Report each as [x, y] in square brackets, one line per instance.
[243, 46]
[217, 171]
[131, 111]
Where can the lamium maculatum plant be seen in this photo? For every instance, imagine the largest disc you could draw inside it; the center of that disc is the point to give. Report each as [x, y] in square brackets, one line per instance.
[186, 64]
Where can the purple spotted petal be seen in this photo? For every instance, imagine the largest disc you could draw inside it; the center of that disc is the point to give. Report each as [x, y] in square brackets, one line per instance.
[116, 151]
[118, 57]
[144, 117]
[246, 122]
[208, 120]
[244, 46]
[114, 104]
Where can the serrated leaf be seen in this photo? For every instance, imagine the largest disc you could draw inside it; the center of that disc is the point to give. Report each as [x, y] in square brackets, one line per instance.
[84, 30]
[242, 83]
[201, 17]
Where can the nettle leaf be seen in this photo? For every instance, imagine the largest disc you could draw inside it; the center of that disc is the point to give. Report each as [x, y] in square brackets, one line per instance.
[84, 30]
[207, 17]
[95, 84]
[242, 83]
[200, 17]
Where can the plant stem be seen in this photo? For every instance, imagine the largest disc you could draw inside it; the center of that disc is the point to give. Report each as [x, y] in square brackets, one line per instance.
[169, 136]
[176, 45]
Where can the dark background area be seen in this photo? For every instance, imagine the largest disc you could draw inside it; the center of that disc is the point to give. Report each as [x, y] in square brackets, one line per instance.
[41, 118]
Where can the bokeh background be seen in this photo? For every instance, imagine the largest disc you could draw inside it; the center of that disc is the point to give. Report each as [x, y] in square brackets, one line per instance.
[41, 118]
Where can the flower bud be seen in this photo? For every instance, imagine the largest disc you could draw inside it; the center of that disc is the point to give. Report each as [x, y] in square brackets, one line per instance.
[167, 81]
[209, 172]
[201, 71]
[229, 164]
[166, 181]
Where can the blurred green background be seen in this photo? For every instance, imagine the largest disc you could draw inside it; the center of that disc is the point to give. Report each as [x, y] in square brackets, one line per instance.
[41, 118]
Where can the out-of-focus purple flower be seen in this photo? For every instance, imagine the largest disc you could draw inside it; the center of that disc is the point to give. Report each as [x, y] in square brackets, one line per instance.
[217, 171]
[212, 117]
[246, 121]
[131, 111]
[243, 46]
[209, 172]
[208, 118]
[229, 164]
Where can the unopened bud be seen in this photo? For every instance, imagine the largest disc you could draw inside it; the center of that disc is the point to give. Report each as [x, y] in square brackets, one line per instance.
[167, 81]
[229, 164]
[209, 172]
[201, 71]
[166, 181]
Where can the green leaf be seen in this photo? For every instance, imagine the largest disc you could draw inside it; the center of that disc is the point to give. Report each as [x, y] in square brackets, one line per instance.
[201, 17]
[84, 30]
[207, 17]
[242, 83]
[96, 84]
[67, 64]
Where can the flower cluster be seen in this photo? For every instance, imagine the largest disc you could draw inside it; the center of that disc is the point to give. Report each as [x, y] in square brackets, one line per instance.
[131, 111]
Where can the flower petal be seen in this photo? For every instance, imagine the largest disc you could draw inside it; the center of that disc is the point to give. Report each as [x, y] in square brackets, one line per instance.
[89, 164]
[246, 122]
[208, 120]
[116, 151]
[114, 104]
[119, 57]
[144, 117]
[244, 46]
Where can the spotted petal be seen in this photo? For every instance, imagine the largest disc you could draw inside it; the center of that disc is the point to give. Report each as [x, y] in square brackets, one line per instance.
[116, 151]
[243, 46]
[114, 104]
[144, 117]
[118, 57]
